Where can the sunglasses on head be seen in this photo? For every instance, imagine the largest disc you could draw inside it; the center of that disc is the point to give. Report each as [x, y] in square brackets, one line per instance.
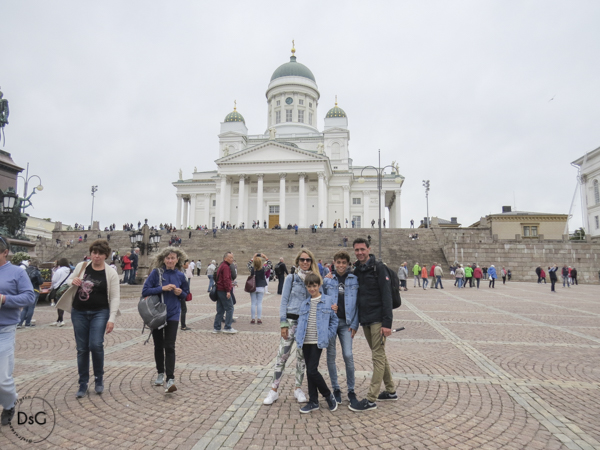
[305, 259]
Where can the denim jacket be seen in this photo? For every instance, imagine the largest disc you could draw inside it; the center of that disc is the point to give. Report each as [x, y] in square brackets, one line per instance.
[293, 294]
[350, 293]
[327, 321]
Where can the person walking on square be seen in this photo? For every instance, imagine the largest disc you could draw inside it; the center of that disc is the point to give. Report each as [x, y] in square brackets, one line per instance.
[317, 327]
[460, 275]
[36, 280]
[503, 274]
[478, 275]
[543, 275]
[574, 276]
[198, 267]
[538, 272]
[553, 277]
[417, 273]
[126, 267]
[293, 295]
[342, 284]
[59, 277]
[403, 275]
[424, 276]
[224, 295]
[258, 269]
[469, 275]
[438, 273]
[167, 280]
[432, 275]
[134, 257]
[189, 273]
[493, 275]
[375, 314]
[16, 292]
[94, 306]
[210, 273]
[281, 271]
[565, 276]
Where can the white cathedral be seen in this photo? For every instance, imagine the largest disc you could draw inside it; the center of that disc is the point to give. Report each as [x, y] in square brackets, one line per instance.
[291, 174]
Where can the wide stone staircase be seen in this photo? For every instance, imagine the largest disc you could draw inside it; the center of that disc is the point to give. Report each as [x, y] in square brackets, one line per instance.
[396, 246]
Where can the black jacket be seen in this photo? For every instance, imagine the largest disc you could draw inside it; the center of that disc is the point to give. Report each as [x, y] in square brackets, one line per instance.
[374, 293]
[134, 260]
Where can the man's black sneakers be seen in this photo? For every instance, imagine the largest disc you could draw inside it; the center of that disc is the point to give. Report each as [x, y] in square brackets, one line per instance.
[385, 395]
[352, 396]
[338, 396]
[332, 403]
[363, 405]
[309, 407]
[7, 415]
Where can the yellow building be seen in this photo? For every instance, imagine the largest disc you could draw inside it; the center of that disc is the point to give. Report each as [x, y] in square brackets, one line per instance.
[524, 224]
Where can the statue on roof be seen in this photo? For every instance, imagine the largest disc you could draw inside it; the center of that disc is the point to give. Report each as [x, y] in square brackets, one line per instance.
[4, 113]
[272, 133]
[180, 175]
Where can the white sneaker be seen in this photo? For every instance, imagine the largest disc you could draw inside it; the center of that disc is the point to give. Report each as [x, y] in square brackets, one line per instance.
[53, 324]
[300, 396]
[271, 397]
[230, 331]
[52, 304]
[32, 321]
[60, 324]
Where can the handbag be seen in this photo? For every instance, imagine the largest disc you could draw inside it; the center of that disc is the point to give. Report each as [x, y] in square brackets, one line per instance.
[212, 294]
[189, 297]
[56, 293]
[66, 301]
[153, 310]
[250, 285]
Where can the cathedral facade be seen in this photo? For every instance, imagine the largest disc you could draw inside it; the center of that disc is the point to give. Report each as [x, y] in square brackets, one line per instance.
[292, 173]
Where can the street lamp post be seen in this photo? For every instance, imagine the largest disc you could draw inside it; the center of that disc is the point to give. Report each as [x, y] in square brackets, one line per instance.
[94, 190]
[26, 179]
[379, 171]
[426, 185]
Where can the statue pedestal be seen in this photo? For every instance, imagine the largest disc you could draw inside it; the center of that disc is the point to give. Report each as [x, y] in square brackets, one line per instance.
[17, 245]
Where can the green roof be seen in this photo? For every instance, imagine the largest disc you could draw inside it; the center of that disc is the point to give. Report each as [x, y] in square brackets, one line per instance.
[336, 111]
[234, 116]
[293, 69]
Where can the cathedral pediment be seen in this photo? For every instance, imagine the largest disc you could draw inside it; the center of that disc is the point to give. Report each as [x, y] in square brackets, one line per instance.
[271, 152]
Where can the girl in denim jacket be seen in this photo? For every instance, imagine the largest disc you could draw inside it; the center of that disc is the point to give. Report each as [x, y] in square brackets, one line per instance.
[317, 325]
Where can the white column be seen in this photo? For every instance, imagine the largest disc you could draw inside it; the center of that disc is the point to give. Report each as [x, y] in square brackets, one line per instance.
[382, 207]
[259, 199]
[242, 200]
[397, 223]
[302, 200]
[346, 206]
[178, 218]
[282, 221]
[323, 200]
[367, 205]
[227, 199]
[206, 209]
[221, 195]
[193, 211]
[185, 212]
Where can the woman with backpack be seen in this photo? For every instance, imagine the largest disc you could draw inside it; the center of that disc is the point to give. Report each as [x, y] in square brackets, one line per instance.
[293, 297]
[62, 272]
[258, 269]
[167, 280]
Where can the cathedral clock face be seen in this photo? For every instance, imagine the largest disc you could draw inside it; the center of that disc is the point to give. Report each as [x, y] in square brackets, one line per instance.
[289, 100]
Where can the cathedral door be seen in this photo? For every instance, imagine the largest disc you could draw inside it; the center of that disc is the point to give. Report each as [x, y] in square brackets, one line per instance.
[273, 220]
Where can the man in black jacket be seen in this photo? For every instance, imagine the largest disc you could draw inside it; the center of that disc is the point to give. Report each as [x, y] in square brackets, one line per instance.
[538, 272]
[375, 315]
[134, 265]
[281, 272]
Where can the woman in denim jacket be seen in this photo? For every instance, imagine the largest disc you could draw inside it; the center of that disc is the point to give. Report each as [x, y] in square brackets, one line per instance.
[343, 286]
[294, 294]
[317, 327]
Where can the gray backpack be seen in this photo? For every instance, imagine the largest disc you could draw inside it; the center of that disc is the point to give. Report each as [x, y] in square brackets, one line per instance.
[153, 311]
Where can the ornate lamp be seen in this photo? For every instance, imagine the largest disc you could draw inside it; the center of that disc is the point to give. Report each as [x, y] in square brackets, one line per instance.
[8, 200]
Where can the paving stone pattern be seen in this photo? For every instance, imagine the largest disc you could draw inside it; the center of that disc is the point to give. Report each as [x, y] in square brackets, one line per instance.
[514, 367]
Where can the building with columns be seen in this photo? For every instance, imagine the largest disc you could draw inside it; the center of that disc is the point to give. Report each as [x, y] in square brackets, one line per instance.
[292, 173]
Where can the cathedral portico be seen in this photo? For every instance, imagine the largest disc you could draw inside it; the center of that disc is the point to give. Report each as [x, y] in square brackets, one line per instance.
[291, 174]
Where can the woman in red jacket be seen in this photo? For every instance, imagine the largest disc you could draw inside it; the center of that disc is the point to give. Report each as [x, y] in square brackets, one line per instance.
[478, 274]
[126, 268]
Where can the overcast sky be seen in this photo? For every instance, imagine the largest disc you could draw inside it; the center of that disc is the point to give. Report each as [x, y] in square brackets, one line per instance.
[490, 100]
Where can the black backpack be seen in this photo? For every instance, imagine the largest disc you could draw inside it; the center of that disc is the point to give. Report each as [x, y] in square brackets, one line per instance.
[393, 276]
[278, 269]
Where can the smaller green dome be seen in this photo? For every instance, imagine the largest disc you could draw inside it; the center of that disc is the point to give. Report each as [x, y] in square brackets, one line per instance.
[234, 116]
[336, 111]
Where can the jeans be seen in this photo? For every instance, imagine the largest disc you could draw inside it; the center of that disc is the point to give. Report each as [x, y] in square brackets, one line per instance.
[224, 306]
[126, 276]
[381, 368]
[132, 276]
[504, 280]
[8, 392]
[417, 280]
[27, 313]
[316, 382]
[492, 283]
[553, 282]
[438, 280]
[566, 281]
[211, 279]
[183, 312]
[460, 282]
[89, 328]
[256, 299]
[478, 280]
[343, 332]
[425, 282]
[164, 348]
[281, 279]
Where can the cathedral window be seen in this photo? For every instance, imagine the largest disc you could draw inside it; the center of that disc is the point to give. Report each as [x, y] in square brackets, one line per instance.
[596, 192]
[288, 115]
[310, 118]
[356, 201]
[301, 116]
[301, 102]
[278, 102]
[310, 105]
[277, 116]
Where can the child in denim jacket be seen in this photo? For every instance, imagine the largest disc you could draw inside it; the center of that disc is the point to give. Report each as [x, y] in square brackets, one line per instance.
[317, 325]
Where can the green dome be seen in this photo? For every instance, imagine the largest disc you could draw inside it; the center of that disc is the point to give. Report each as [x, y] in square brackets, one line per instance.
[336, 112]
[234, 116]
[293, 69]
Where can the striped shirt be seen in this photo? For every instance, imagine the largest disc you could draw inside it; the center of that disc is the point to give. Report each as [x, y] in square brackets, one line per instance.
[311, 326]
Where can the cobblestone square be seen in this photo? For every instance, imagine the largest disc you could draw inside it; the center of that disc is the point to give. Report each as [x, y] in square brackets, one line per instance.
[515, 367]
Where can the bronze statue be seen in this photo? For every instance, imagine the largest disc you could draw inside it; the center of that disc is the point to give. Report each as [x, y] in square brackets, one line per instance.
[4, 112]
